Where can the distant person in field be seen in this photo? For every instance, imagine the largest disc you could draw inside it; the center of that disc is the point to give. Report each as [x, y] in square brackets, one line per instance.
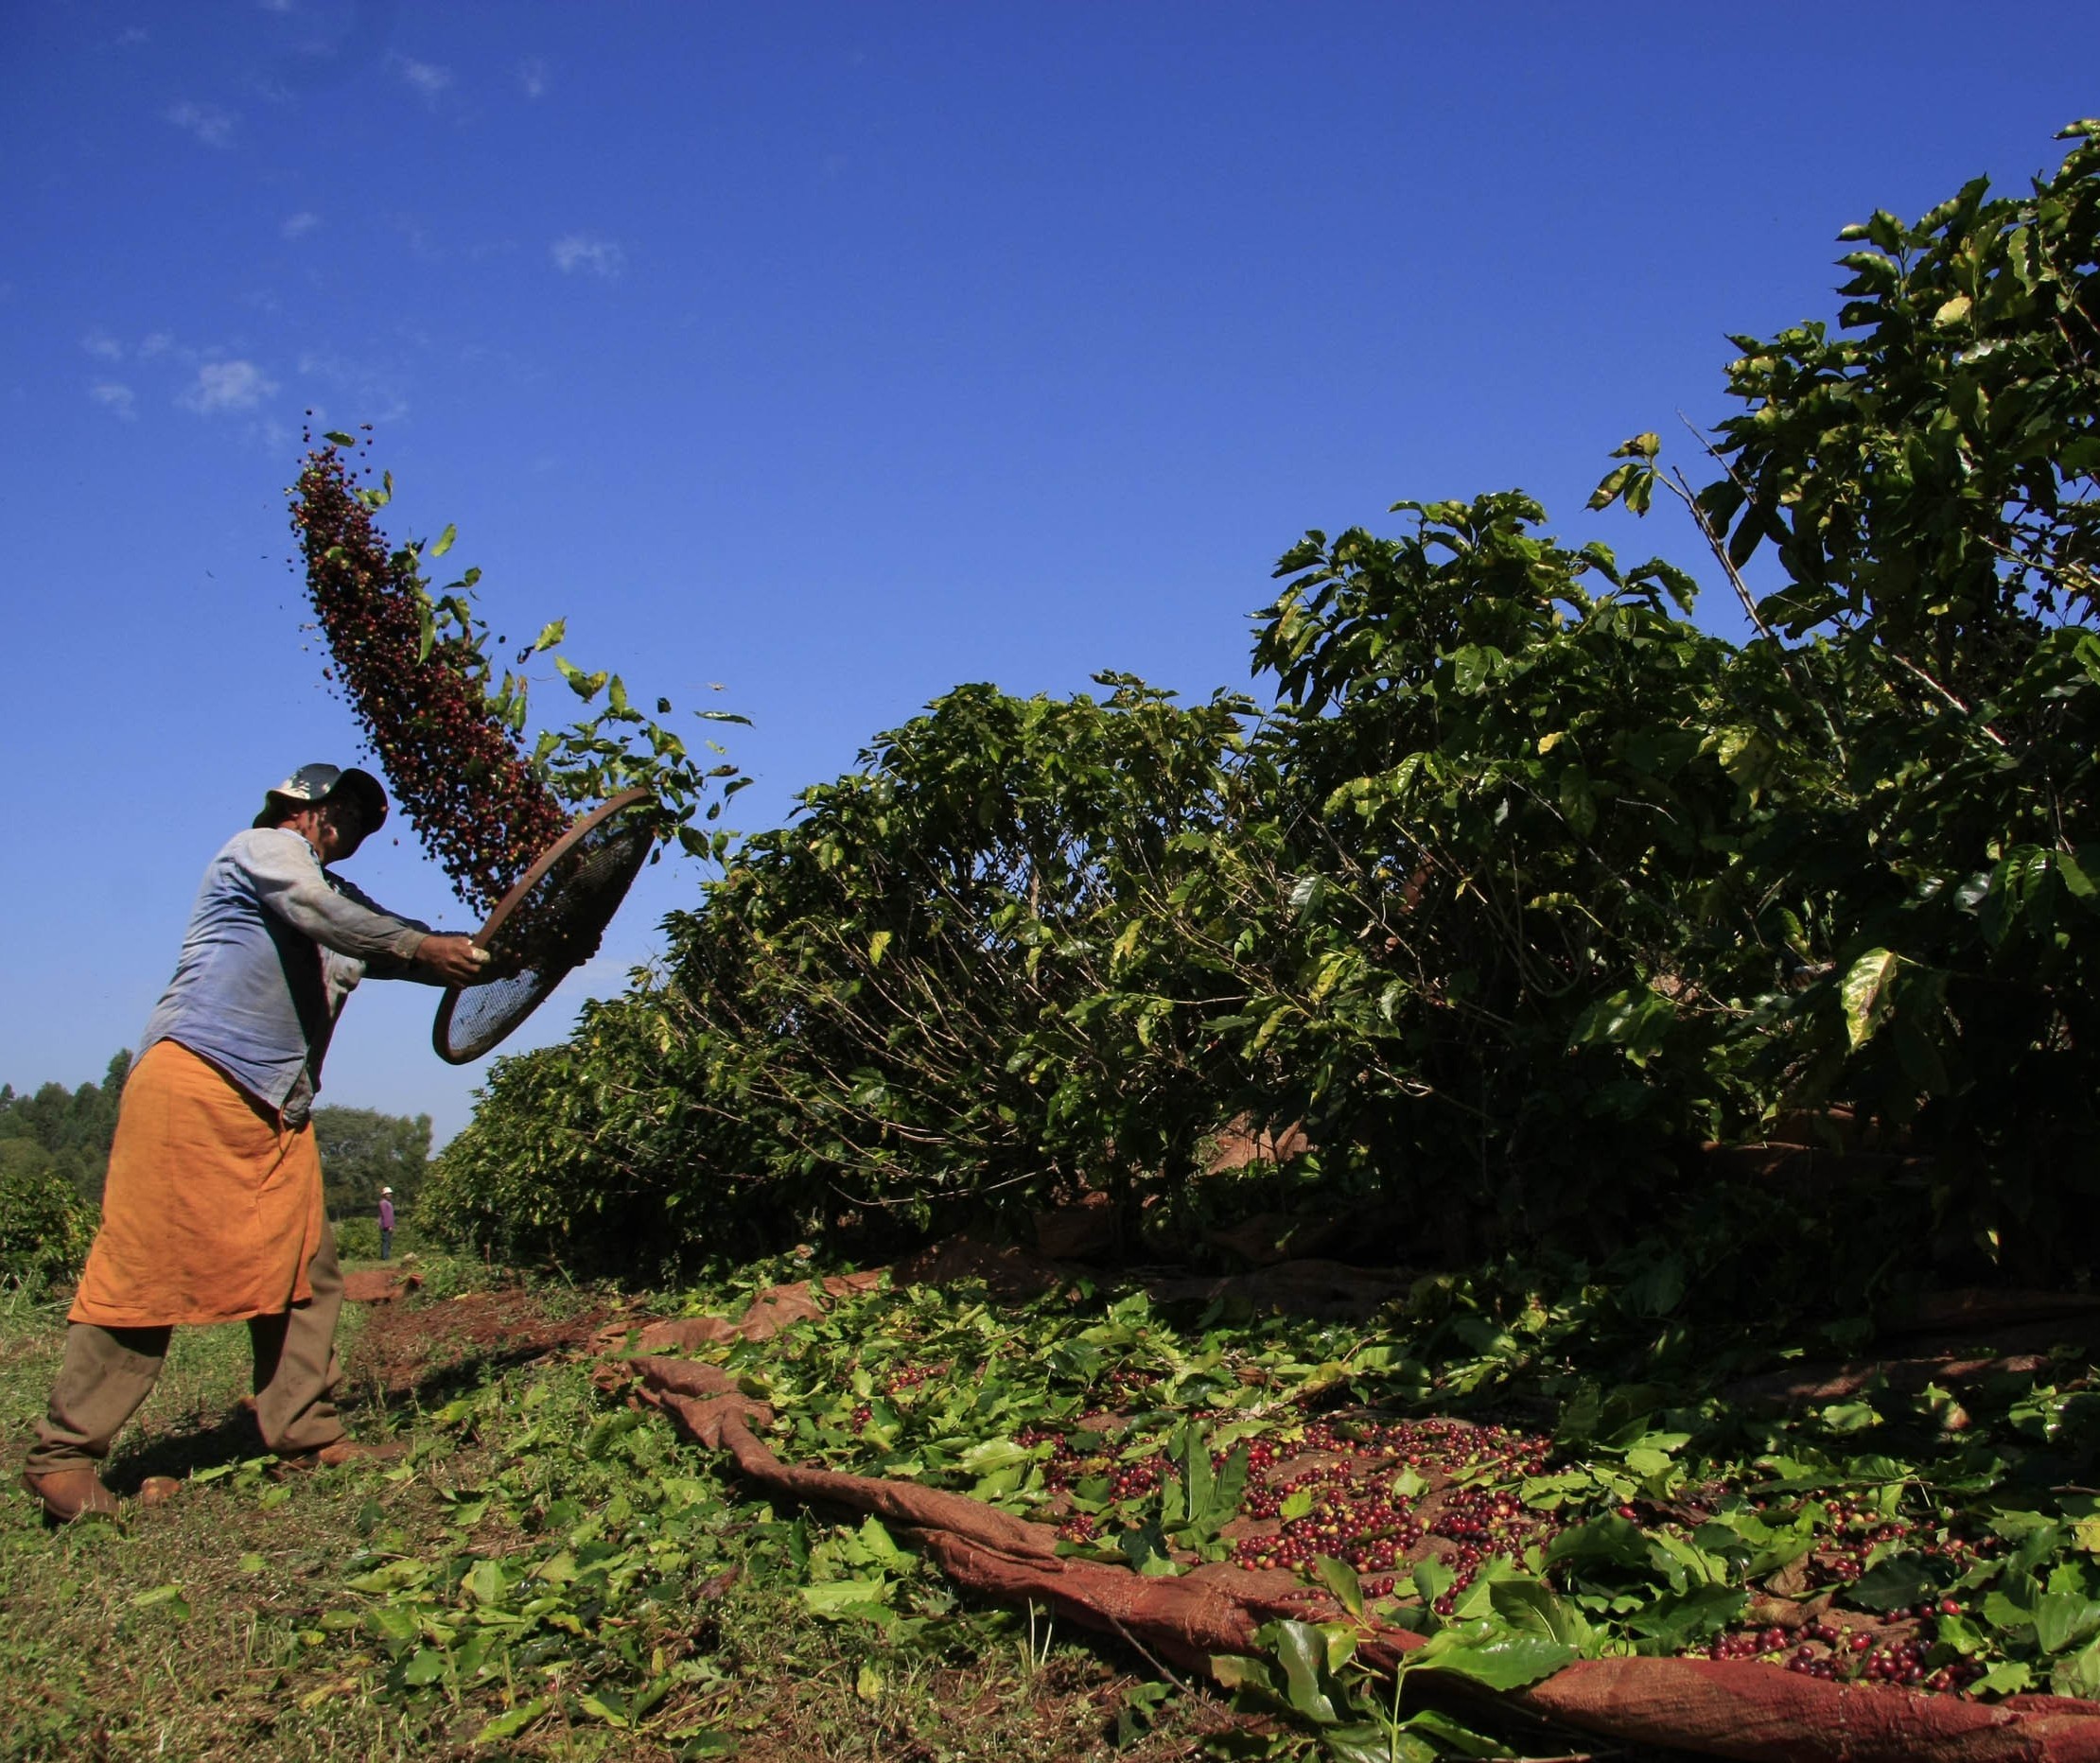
[386, 1223]
[212, 1212]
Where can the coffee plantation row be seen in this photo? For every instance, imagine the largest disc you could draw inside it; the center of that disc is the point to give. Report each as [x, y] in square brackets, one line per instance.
[1513, 885]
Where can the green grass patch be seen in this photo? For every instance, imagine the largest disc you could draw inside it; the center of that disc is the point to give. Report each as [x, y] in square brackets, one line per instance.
[547, 1574]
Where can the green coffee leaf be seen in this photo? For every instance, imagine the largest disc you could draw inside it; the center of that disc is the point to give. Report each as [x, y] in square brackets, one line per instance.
[1531, 1607]
[1895, 1583]
[424, 1667]
[512, 1723]
[168, 1597]
[1674, 1623]
[1499, 1660]
[2078, 1675]
[1301, 1650]
[2064, 1620]
[1340, 1578]
[842, 1598]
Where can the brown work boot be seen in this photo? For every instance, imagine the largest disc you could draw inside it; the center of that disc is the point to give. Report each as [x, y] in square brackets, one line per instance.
[335, 1453]
[70, 1493]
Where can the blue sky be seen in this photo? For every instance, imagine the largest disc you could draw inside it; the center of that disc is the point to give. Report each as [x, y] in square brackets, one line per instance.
[838, 354]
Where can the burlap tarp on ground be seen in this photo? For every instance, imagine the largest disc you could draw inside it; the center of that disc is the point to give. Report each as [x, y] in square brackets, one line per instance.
[1727, 1708]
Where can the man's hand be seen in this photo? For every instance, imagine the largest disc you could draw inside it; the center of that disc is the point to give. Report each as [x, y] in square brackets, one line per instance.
[454, 959]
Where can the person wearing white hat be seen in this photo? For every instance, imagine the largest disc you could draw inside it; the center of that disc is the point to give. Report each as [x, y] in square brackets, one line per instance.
[386, 1223]
[212, 1209]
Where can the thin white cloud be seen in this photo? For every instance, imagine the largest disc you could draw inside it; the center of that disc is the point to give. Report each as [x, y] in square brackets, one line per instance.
[377, 394]
[579, 252]
[132, 36]
[154, 343]
[300, 224]
[532, 77]
[429, 79]
[227, 386]
[102, 345]
[117, 399]
[207, 122]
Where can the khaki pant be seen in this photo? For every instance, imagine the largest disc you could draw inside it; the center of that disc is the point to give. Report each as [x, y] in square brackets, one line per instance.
[109, 1372]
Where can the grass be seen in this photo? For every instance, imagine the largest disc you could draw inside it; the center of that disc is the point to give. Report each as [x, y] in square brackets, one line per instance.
[550, 1573]
[231, 1623]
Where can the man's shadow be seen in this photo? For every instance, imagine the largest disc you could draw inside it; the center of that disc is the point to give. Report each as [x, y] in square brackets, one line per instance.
[231, 1439]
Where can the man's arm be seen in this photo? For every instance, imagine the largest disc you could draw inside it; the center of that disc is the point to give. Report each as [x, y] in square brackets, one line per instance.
[390, 966]
[288, 879]
[441, 959]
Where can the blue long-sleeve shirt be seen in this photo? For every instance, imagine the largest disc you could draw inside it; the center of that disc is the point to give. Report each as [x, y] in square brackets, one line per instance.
[276, 944]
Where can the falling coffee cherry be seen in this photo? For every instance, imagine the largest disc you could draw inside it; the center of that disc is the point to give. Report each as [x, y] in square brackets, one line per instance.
[457, 772]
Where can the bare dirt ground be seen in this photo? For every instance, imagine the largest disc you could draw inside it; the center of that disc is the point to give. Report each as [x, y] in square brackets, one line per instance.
[415, 1347]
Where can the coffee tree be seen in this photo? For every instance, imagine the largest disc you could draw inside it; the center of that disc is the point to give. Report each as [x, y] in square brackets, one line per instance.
[46, 1226]
[1926, 475]
[928, 990]
[1513, 788]
[1522, 888]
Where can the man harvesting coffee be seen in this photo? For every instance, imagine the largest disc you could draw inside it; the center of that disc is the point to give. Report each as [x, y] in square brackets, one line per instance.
[211, 1211]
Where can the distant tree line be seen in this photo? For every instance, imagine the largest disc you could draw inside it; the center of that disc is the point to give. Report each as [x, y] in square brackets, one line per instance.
[64, 1134]
[363, 1150]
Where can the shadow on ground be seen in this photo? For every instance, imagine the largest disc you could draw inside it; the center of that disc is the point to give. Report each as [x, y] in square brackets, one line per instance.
[182, 1454]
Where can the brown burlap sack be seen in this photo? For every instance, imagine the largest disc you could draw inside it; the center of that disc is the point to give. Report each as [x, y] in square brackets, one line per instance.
[1727, 1708]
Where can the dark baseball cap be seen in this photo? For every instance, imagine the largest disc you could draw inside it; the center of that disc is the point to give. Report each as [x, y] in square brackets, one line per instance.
[317, 783]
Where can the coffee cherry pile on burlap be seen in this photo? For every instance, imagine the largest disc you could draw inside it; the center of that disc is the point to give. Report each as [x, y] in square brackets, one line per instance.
[1842, 1654]
[1374, 1494]
[1372, 1533]
[907, 1380]
[1901, 1662]
[1857, 1527]
[1748, 1644]
[1386, 1492]
[1067, 1464]
[459, 777]
[1127, 1384]
[1383, 1496]
[1071, 1463]
[1138, 1481]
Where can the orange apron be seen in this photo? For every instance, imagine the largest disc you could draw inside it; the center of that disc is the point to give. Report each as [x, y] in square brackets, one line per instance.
[212, 1209]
